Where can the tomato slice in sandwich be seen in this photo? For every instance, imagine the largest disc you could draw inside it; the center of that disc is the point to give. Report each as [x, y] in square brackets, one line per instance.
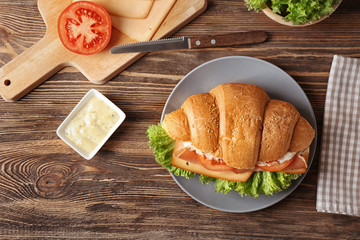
[187, 159]
[213, 165]
[84, 27]
[277, 166]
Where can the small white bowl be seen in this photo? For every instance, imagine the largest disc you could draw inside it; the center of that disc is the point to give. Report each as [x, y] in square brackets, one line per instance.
[88, 96]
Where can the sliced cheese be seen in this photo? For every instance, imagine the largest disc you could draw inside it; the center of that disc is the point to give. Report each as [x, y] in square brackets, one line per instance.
[125, 8]
[144, 29]
[295, 171]
[198, 168]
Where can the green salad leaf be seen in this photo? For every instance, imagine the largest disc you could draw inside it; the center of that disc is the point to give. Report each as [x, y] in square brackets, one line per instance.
[255, 5]
[163, 146]
[259, 183]
[296, 11]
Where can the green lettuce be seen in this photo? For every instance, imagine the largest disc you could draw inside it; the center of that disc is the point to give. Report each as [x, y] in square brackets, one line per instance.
[296, 11]
[259, 183]
[163, 146]
[255, 5]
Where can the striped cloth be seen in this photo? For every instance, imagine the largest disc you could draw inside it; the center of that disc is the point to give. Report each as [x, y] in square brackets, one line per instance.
[339, 170]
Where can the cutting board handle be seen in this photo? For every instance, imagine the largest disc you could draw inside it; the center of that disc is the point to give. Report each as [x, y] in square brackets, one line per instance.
[31, 68]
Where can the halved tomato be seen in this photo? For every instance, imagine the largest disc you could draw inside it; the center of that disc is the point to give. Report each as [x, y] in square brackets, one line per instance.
[277, 166]
[213, 165]
[84, 27]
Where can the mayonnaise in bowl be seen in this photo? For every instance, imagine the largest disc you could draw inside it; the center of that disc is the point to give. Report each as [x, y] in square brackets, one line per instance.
[90, 124]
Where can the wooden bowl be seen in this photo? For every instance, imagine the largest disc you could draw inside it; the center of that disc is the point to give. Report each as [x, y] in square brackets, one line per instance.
[280, 19]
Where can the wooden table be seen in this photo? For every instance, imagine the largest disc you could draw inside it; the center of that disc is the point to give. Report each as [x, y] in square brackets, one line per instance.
[49, 191]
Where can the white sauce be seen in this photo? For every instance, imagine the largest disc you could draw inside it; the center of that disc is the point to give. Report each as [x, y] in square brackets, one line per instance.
[287, 156]
[91, 124]
[208, 155]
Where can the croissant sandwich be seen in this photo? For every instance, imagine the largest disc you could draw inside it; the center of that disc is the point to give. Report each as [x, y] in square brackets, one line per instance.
[236, 130]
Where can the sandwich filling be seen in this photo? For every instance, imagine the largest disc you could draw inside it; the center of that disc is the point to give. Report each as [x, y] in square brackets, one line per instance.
[251, 184]
[188, 157]
[285, 158]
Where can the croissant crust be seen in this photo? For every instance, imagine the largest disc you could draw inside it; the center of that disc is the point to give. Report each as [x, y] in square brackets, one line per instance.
[240, 124]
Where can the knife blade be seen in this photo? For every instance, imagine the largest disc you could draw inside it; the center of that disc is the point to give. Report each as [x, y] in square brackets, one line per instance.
[230, 39]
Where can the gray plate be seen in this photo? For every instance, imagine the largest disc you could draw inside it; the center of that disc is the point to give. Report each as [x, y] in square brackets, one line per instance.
[277, 83]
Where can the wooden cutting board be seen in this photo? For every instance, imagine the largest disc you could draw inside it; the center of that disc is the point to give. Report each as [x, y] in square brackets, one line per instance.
[48, 56]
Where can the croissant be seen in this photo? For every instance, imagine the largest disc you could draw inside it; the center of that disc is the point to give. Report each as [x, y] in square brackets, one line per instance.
[239, 126]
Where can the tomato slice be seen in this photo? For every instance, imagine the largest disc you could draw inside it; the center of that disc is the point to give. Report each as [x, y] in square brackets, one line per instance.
[277, 166]
[181, 152]
[213, 165]
[84, 27]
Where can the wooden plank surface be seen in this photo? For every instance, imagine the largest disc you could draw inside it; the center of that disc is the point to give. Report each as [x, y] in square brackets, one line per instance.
[49, 191]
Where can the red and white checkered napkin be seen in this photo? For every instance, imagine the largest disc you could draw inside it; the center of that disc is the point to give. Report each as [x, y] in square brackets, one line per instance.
[339, 171]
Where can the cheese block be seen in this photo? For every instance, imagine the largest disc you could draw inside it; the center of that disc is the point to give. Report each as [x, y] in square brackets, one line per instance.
[144, 29]
[125, 8]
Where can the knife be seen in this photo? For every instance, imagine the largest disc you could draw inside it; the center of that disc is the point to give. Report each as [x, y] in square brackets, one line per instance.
[231, 39]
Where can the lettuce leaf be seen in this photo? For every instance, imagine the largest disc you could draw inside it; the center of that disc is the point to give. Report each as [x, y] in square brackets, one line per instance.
[224, 186]
[296, 11]
[284, 179]
[206, 179]
[259, 183]
[181, 172]
[255, 5]
[163, 146]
